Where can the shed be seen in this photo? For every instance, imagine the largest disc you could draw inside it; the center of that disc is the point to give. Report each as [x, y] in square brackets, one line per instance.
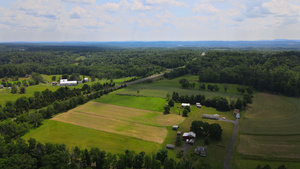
[179, 133]
[200, 151]
[236, 111]
[189, 135]
[1, 86]
[238, 116]
[198, 105]
[54, 83]
[210, 116]
[170, 146]
[8, 88]
[85, 79]
[175, 127]
[190, 141]
[185, 104]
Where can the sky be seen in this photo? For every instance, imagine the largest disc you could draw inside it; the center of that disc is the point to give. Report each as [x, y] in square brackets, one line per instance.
[149, 20]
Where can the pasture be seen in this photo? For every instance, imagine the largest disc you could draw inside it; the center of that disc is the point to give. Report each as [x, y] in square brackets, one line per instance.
[161, 88]
[269, 131]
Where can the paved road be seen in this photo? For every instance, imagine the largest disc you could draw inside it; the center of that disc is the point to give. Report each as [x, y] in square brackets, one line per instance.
[230, 148]
[144, 79]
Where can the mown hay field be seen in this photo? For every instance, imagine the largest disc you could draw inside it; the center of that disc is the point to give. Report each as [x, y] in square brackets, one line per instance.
[142, 124]
[73, 135]
[269, 132]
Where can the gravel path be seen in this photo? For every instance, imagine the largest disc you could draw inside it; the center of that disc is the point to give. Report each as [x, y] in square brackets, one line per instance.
[228, 155]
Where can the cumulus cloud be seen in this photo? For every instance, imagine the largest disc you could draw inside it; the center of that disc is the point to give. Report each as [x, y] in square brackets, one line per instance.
[205, 9]
[80, 1]
[168, 2]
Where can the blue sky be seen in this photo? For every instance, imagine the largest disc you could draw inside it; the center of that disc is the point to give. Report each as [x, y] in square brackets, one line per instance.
[148, 20]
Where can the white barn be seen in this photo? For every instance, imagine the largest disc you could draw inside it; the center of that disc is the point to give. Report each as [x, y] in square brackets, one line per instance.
[65, 82]
[185, 104]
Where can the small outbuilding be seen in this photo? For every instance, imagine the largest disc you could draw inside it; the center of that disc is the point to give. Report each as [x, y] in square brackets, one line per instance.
[65, 82]
[210, 116]
[175, 127]
[1, 86]
[185, 104]
[85, 79]
[198, 105]
[178, 133]
[189, 135]
[200, 151]
[190, 141]
[54, 83]
[8, 88]
[170, 146]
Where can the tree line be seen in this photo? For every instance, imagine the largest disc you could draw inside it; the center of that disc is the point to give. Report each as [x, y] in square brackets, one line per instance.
[276, 72]
[218, 102]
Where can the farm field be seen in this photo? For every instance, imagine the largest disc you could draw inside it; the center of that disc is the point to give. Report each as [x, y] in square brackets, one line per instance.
[269, 131]
[141, 124]
[73, 135]
[161, 88]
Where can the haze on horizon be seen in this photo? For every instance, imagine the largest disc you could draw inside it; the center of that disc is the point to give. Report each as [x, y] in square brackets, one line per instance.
[148, 20]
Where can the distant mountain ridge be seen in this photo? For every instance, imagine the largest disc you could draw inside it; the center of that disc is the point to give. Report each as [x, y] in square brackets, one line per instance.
[277, 43]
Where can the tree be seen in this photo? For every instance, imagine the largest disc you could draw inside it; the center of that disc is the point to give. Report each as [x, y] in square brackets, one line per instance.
[178, 141]
[171, 103]
[210, 87]
[185, 113]
[202, 86]
[167, 109]
[98, 157]
[14, 89]
[215, 131]
[22, 90]
[216, 88]
[184, 83]
[281, 167]
[206, 141]
[162, 154]
[225, 87]
[35, 119]
[53, 78]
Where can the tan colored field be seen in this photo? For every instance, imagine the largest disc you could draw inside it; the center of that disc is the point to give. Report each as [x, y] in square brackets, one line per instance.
[270, 147]
[142, 124]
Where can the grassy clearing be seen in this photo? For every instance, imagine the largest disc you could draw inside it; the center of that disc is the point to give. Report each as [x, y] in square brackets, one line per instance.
[162, 87]
[146, 103]
[72, 135]
[269, 133]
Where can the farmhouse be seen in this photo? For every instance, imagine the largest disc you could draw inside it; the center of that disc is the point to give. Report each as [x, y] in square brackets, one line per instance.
[170, 146]
[198, 105]
[175, 127]
[65, 82]
[200, 151]
[185, 104]
[189, 135]
[209, 116]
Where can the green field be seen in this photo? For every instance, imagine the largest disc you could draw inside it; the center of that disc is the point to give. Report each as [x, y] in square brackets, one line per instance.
[161, 88]
[72, 135]
[269, 131]
[6, 95]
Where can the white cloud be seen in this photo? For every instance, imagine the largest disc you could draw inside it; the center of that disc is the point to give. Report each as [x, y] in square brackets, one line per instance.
[80, 1]
[168, 2]
[205, 9]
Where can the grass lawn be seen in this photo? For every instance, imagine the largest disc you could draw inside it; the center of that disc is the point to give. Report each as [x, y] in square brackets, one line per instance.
[163, 87]
[269, 133]
[72, 135]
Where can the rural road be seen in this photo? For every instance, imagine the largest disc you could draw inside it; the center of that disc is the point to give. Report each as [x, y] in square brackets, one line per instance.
[230, 148]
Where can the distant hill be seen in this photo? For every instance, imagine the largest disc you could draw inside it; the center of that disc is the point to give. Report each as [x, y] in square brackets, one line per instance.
[278, 43]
